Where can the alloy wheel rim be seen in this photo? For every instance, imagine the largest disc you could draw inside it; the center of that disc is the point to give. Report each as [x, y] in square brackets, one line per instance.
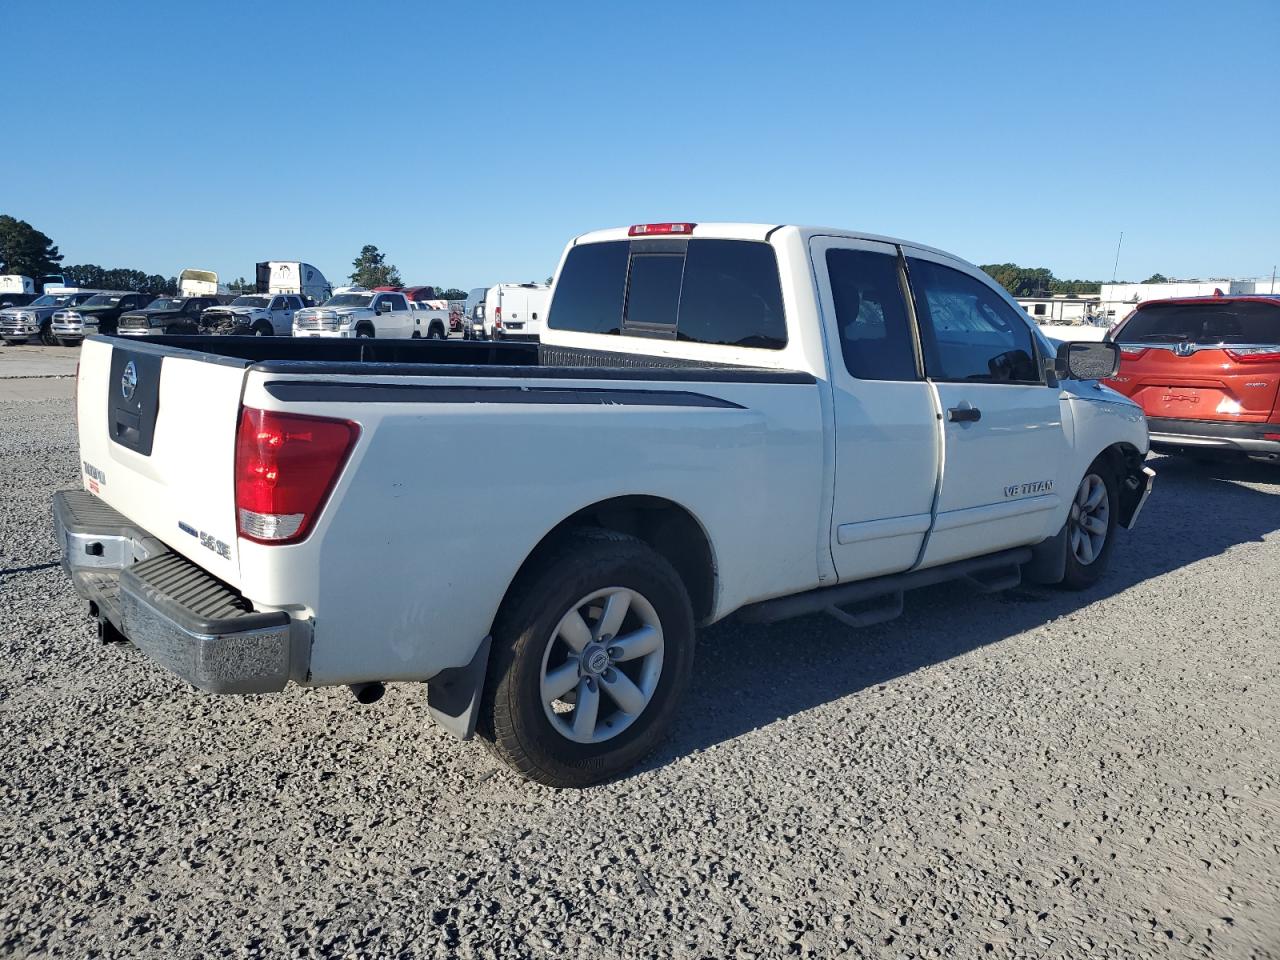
[1089, 519]
[601, 665]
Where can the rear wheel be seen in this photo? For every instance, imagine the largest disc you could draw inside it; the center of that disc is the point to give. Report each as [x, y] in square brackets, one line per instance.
[436, 332]
[592, 655]
[1091, 526]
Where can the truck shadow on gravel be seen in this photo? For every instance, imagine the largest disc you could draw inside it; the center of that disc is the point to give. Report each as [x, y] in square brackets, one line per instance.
[754, 675]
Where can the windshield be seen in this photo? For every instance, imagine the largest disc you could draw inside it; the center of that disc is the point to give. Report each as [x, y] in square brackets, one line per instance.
[102, 300]
[1208, 322]
[49, 300]
[167, 303]
[349, 300]
[250, 301]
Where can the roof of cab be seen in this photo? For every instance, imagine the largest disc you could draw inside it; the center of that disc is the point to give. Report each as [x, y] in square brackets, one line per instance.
[757, 231]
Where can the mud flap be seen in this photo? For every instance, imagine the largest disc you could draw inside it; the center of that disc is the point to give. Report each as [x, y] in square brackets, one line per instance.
[453, 696]
[1048, 563]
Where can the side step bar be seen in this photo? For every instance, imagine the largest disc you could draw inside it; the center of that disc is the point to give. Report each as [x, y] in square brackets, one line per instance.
[994, 572]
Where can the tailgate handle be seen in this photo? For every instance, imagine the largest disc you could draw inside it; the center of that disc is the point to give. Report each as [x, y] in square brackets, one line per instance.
[964, 414]
[127, 427]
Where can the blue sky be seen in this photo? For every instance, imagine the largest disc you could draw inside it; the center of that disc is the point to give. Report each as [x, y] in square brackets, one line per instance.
[470, 141]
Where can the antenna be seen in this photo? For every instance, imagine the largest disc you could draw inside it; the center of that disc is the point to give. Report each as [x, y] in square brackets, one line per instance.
[1117, 263]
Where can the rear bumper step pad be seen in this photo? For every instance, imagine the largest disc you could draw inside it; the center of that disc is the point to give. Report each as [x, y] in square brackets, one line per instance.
[173, 610]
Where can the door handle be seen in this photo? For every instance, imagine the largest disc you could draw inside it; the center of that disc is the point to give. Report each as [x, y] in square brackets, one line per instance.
[964, 414]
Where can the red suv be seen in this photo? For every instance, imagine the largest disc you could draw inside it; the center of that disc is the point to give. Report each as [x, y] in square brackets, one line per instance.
[1205, 370]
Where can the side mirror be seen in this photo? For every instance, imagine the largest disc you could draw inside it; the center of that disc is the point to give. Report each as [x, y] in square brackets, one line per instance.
[1087, 360]
[381, 308]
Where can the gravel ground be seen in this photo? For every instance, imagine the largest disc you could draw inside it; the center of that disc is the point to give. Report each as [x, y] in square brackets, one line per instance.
[1035, 774]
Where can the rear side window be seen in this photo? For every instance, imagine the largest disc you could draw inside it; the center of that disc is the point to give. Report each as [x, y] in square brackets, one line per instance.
[1208, 322]
[875, 334]
[590, 289]
[723, 292]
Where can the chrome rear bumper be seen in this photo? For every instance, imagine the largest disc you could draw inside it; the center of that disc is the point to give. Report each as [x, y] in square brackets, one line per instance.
[174, 611]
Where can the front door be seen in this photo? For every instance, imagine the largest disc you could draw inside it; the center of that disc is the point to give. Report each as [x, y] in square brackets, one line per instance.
[887, 444]
[1005, 436]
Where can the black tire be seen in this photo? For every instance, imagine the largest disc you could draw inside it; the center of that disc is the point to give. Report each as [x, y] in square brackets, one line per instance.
[436, 332]
[417, 335]
[1079, 573]
[46, 335]
[364, 331]
[263, 329]
[513, 722]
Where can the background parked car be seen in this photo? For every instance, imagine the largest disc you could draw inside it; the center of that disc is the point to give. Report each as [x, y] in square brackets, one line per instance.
[18, 325]
[179, 315]
[366, 313]
[473, 313]
[253, 314]
[515, 311]
[99, 314]
[1206, 371]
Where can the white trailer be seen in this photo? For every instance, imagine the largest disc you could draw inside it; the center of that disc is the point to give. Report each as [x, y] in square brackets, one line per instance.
[12, 283]
[197, 283]
[292, 276]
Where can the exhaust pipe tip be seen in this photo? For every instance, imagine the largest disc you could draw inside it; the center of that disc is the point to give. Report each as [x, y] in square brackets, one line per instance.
[368, 693]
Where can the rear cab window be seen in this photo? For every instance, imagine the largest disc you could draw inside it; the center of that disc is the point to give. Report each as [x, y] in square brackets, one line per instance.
[1238, 322]
[696, 290]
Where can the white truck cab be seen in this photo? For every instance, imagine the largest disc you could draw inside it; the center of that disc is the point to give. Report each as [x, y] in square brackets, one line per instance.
[720, 419]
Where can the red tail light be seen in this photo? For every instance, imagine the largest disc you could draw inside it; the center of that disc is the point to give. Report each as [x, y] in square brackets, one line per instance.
[660, 229]
[286, 467]
[497, 316]
[1254, 354]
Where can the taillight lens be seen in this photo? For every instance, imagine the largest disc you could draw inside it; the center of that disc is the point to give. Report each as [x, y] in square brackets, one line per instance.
[286, 467]
[1254, 354]
[1132, 352]
[497, 316]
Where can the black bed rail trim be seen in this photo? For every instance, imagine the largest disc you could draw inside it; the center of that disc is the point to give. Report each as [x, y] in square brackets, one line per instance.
[321, 391]
[676, 374]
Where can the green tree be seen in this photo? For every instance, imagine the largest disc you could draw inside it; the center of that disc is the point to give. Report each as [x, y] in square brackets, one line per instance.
[26, 251]
[1020, 281]
[119, 278]
[452, 293]
[371, 269]
[1156, 278]
[241, 285]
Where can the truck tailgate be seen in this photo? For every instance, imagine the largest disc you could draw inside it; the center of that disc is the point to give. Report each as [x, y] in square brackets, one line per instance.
[157, 443]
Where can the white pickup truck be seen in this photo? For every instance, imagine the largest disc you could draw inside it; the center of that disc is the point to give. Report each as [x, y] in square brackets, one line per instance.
[721, 418]
[371, 313]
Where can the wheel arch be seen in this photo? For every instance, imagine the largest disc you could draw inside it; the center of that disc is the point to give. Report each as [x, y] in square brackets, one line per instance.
[666, 526]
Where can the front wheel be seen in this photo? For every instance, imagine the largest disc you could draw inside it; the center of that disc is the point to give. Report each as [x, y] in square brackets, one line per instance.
[592, 655]
[1091, 526]
[47, 337]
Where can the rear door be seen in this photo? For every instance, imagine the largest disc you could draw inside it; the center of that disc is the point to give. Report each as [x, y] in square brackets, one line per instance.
[888, 445]
[157, 442]
[1005, 437]
[1211, 359]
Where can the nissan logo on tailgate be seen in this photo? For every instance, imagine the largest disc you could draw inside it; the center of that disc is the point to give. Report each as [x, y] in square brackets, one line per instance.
[129, 380]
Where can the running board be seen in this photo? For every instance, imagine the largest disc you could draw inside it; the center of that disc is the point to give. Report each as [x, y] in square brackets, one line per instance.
[994, 572]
